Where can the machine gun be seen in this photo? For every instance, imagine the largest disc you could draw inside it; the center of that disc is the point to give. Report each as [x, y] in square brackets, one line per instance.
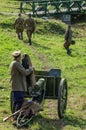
[31, 107]
[26, 113]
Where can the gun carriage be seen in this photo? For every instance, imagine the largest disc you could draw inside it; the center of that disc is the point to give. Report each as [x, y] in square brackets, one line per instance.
[53, 87]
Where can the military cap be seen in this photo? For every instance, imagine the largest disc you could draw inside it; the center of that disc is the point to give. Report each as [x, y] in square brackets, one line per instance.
[29, 15]
[16, 53]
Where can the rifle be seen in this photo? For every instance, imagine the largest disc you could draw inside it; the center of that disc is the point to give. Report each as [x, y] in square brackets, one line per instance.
[23, 107]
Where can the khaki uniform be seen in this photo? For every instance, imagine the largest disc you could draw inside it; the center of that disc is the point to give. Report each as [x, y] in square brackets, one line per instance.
[30, 27]
[19, 26]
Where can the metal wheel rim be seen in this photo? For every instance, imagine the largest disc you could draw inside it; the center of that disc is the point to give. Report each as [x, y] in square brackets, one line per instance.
[21, 121]
[62, 98]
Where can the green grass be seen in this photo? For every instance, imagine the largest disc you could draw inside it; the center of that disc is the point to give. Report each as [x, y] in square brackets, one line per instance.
[47, 52]
[9, 6]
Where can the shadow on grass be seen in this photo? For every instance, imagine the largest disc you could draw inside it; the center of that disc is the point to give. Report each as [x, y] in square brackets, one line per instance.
[50, 28]
[35, 44]
[3, 101]
[1, 87]
[56, 124]
[6, 25]
[26, 41]
[75, 121]
[39, 45]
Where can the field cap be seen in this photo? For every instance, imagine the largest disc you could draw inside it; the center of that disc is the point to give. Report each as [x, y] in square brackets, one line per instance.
[16, 53]
[29, 15]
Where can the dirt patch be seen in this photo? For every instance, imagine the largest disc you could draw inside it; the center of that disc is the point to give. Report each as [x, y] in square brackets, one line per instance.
[42, 58]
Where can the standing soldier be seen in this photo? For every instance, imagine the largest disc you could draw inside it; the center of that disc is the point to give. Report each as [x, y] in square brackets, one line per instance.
[18, 80]
[68, 39]
[30, 27]
[19, 26]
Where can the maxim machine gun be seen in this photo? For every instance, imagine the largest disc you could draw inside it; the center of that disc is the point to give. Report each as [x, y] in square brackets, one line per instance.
[50, 85]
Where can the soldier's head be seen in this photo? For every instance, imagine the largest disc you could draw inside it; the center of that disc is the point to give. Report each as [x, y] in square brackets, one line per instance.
[19, 14]
[17, 55]
[69, 26]
[29, 15]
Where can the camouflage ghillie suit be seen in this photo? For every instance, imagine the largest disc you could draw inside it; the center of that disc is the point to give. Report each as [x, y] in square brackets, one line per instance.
[19, 26]
[30, 27]
[68, 39]
[30, 79]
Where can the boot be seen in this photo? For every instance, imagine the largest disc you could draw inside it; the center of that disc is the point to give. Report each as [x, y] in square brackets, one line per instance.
[19, 37]
[68, 51]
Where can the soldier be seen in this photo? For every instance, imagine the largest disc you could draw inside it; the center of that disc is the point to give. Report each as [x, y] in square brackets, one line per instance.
[18, 80]
[68, 39]
[30, 27]
[33, 87]
[26, 62]
[19, 26]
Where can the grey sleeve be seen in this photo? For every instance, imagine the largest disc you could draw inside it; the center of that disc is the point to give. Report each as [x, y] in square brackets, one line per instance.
[22, 70]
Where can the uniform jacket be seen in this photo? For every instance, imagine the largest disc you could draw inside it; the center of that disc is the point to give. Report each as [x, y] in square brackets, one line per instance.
[18, 76]
[19, 23]
[68, 35]
[30, 24]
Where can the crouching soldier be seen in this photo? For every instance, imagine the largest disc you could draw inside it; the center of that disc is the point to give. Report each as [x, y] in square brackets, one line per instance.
[30, 27]
[19, 26]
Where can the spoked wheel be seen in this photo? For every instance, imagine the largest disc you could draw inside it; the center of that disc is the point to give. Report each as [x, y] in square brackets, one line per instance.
[62, 98]
[23, 119]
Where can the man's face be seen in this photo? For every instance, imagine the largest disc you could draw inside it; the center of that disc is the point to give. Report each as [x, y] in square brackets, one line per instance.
[19, 58]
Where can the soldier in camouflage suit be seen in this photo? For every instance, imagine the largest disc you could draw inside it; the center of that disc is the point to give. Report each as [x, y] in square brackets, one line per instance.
[19, 26]
[30, 27]
[68, 39]
[26, 62]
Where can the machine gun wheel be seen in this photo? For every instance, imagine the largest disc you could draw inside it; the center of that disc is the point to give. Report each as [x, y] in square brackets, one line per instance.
[62, 97]
[23, 119]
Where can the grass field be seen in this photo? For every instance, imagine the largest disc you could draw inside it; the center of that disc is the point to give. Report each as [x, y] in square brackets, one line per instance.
[47, 52]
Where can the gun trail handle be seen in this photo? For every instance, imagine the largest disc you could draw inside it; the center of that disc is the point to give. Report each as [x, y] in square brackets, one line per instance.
[6, 118]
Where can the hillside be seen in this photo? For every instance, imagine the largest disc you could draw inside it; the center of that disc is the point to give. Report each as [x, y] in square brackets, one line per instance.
[47, 52]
